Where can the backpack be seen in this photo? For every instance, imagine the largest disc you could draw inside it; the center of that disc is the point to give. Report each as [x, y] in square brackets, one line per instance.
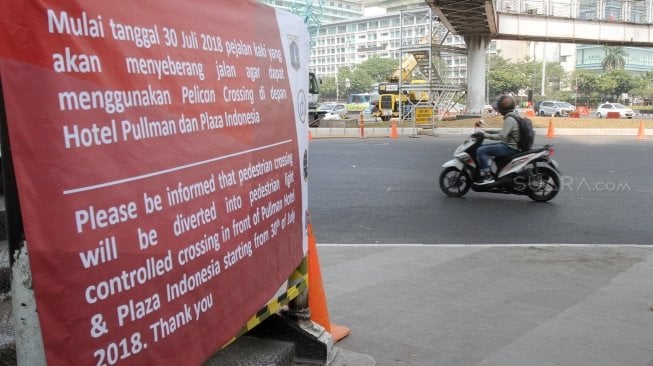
[526, 132]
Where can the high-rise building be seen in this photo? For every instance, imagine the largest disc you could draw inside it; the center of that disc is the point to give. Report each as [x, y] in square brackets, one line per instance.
[329, 10]
[349, 42]
[637, 59]
[394, 6]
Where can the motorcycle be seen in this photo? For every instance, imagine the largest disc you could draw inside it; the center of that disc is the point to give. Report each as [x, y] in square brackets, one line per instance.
[532, 173]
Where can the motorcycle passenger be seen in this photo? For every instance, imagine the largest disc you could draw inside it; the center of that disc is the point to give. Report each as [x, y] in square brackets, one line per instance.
[508, 135]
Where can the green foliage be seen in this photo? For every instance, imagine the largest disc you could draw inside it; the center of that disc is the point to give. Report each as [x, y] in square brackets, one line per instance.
[360, 81]
[503, 77]
[624, 82]
[561, 95]
[588, 82]
[644, 86]
[378, 69]
[328, 88]
[556, 78]
[609, 85]
[615, 58]
[509, 77]
[364, 75]
[356, 107]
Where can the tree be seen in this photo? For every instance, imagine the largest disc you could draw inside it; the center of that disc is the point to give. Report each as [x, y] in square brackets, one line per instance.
[587, 82]
[614, 83]
[644, 86]
[344, 82]
[625, 81]
[606, 86]
[615, 58]
[503, 77]
[328, 88]
[360, 81]
[378, 69]
[510, 77]
[555, 76]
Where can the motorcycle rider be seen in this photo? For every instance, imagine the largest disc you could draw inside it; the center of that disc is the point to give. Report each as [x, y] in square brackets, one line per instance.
[508, 135]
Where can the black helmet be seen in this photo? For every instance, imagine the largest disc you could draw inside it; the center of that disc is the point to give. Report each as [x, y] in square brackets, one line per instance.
[505, 104]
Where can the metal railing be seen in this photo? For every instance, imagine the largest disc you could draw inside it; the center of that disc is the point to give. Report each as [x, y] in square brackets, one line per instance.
[632, 11]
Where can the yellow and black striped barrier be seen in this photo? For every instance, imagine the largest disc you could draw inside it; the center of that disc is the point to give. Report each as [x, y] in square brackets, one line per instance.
[298, 283]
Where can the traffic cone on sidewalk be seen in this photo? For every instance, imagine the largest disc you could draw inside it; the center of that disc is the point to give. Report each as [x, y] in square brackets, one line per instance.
[316, 297]
[551, 131]
[310, 136]
[641, 134]
[393, 130]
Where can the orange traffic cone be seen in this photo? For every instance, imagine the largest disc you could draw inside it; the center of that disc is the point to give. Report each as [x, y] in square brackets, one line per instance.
[310, 136]
[641, 134]
[393, 131]
[551, 132]
[316, 297]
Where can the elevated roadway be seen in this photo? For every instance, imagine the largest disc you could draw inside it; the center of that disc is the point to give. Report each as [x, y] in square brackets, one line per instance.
[480, 21]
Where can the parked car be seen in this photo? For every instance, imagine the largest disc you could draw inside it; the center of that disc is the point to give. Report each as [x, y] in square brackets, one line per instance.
[555, 108]
[333, 110]
[614, 107]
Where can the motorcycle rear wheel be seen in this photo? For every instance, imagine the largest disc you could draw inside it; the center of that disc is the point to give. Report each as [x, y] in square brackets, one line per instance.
[544, 186]
[455, 182]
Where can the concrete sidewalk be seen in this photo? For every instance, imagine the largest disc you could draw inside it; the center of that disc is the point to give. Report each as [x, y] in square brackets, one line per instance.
[493, 305]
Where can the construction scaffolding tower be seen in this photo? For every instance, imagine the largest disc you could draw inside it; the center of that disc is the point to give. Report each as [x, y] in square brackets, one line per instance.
[434, 85]
[312, 11]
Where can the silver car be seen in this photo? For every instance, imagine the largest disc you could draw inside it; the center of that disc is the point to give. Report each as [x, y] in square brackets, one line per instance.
[333, 110]
[554, 108]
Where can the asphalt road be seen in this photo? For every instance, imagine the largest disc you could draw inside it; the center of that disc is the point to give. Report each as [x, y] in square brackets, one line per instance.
[385, 191]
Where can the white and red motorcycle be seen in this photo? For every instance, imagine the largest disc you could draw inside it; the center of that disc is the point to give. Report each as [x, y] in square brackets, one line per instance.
[532, 173]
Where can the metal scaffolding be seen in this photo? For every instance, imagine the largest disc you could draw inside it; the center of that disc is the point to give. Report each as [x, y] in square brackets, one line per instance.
[437, 79]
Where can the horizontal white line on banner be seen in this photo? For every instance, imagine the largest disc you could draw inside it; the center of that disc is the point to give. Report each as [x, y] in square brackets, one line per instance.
[170, 170]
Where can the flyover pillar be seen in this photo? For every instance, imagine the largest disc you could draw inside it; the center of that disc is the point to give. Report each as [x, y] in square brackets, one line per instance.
[476, 47]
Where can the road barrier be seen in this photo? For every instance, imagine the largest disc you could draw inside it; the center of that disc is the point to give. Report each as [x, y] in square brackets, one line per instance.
[393, 131]
[550, 133]
[583, 111]
[641, 134]
[316, 298]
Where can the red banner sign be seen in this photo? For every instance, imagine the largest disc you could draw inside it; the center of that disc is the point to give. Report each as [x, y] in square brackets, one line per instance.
[159, 151]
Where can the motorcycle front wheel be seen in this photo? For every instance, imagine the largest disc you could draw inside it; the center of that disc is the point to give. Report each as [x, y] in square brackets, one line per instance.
[544, 185]
[455, 182]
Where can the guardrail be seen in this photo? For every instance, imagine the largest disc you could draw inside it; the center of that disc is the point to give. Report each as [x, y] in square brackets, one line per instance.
[627, 10]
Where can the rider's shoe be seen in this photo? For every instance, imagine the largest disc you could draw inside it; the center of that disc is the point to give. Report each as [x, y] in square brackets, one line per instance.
[486, 180]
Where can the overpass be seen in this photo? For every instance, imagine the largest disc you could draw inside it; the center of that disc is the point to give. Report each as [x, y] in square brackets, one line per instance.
[564, 21]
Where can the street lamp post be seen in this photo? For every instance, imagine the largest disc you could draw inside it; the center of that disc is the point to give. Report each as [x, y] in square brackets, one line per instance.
[337, 89]
[576, 94]
[347, 86]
